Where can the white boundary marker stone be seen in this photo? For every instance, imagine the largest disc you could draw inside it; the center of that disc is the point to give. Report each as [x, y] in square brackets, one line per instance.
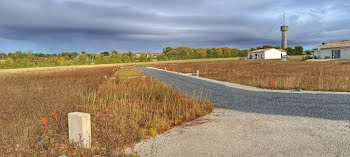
[79, 126]
[197, 72]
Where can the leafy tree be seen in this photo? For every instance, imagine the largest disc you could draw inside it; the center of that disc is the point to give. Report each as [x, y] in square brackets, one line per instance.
[161, 57]
[243, 53]
[298, 50]
[194, 54]
[167, 49]
[67, 55]
[173, 54]
[226, 52]
[42, 55]
[83, 57]
[183, 52]
[74, 55]
[290, 51]
[217, 52]
[114, 52]
[210, 53]
[235, 52]
[266, 46]
[106, 53]
[9, 61]
[202, 53]
[308, 52]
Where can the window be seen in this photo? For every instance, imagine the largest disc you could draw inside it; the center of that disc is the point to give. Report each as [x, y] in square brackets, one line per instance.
[335, 53]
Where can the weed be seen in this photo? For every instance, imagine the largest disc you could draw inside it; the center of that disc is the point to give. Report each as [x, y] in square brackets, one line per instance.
[122, 112]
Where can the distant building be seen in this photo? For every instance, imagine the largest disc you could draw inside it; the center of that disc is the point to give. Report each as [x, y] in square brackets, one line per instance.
[147, 55]
[333, 50]
[153, 55]
[270, 53]
[138, 55]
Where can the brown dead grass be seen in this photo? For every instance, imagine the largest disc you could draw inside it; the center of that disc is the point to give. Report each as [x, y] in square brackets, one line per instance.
[318, 76]
[28, 96]
[123, 112]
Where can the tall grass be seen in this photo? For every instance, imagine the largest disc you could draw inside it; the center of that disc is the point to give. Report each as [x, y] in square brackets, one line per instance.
[28, 96]
[323, 76]
[133, 107]
[125, 108]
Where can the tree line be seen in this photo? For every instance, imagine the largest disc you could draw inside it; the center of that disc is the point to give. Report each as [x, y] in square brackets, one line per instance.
[29, 59]
[197, 53]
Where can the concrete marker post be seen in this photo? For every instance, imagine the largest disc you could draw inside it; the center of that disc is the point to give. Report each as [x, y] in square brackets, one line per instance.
[79, 126]
[197, 72]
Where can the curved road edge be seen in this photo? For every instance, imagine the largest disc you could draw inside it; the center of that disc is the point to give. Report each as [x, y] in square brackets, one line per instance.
[250, 88]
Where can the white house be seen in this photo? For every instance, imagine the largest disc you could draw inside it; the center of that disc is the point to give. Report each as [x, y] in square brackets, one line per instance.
[270, 53]
[334, 50]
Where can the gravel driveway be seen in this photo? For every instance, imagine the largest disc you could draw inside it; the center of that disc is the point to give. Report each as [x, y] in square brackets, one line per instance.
[255, 123]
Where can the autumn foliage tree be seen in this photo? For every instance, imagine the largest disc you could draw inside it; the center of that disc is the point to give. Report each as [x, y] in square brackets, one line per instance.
[193, 53]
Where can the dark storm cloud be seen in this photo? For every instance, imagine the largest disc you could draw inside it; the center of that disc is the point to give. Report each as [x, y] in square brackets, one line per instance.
[139, 25]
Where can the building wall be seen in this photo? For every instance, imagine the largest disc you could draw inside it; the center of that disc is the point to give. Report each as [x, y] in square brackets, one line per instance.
[273, 54]
[344, 53]
[257, 55]
[270, 54]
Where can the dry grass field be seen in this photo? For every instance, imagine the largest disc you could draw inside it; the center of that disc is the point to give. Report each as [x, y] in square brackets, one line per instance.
[125, 108]
[323, 76]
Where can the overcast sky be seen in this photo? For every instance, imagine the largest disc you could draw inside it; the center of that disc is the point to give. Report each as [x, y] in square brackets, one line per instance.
[53, 26]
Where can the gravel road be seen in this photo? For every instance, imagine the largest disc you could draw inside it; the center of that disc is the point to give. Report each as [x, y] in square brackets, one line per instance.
[254, 123]
[326, 106]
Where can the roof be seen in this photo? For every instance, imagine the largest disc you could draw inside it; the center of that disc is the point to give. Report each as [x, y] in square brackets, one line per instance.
[338, 44]
[154, 53]
[263, 50]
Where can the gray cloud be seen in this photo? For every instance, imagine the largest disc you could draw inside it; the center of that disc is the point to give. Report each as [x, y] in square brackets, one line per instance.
[138, 25]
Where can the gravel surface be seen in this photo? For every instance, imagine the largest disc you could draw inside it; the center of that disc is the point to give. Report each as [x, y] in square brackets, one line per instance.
[316, 105]
[254, 123]
[233, 133]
